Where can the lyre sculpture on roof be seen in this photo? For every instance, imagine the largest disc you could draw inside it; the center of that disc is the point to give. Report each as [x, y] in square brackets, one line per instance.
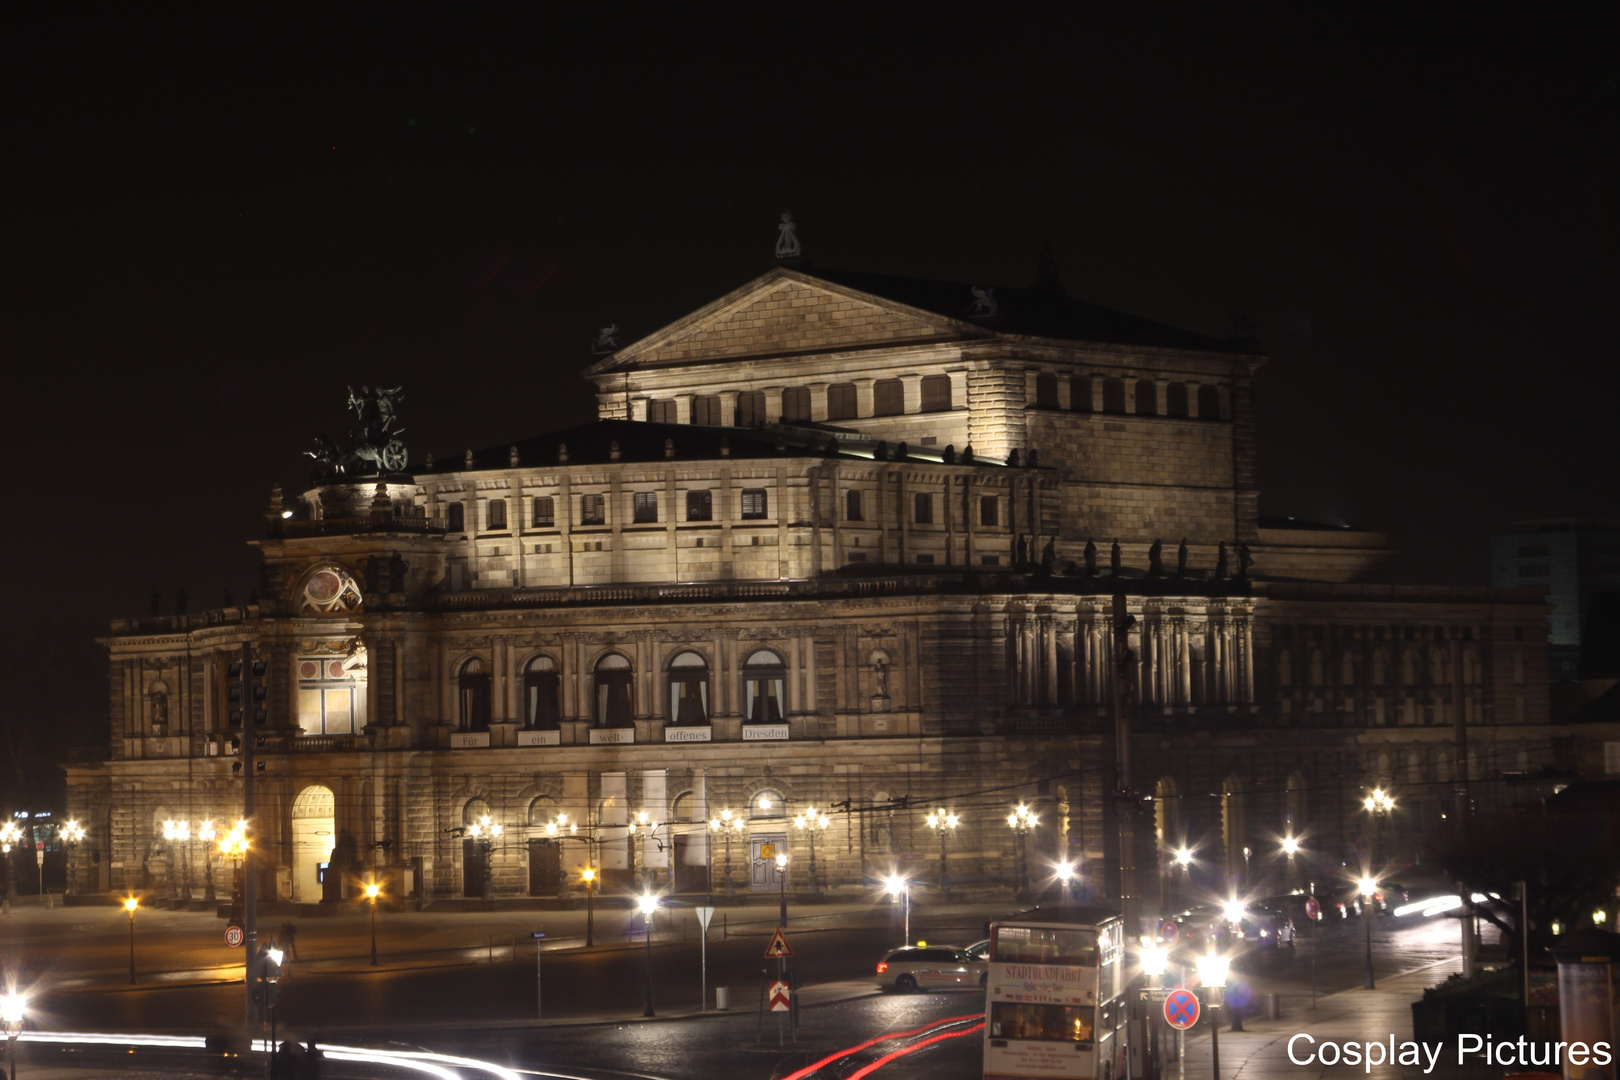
[787, 240]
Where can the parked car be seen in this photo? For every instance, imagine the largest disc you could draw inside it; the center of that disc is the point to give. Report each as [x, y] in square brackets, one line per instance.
[979, 950]
[1294, 904]
[930, 967]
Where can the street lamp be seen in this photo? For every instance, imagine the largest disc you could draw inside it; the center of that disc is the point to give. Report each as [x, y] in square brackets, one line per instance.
[72, 833]
[944, 824]
[13, 1013]
[729, 825]
[205, 833]
[781, 878]
[588, 876]
[900, 889]
[1021, 821]
[179, 832]
[1368, 887]
[130, 904]
[807, 823]
[484, 833]
[271, 975]
[10, 837]
[1184, 858]
[1378, 805]
[648, 904]
[1065, 875]
[371, 894]
[1212, 968]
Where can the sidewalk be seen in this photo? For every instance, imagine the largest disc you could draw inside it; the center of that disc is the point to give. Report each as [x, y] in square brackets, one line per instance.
[1260, 1052]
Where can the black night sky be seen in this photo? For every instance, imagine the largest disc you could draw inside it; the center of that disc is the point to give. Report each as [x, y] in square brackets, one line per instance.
[215, 222]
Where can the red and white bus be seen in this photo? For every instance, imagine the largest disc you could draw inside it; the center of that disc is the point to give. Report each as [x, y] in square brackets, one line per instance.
[1054, 996]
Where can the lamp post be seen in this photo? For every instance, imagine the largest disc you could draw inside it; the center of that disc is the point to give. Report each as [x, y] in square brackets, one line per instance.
[781, 880]
[72, 833]
[944, 824]
[589, 876]
[1065, 874]
[1021, 821]
[130, 904]
[205, 833]
[484, 833]
[1378, 805]
[179, 832]
[807, 823]
[1290, 847]
[1212, 969]
[1368, 887]
[900, 889]
[10, 837]
[371, 894]
[1184, 858]
[1153, 959]
[271, 974]
[648, 904]
[729, 825]
[13, 1013]
[641, 823]
[234, 846]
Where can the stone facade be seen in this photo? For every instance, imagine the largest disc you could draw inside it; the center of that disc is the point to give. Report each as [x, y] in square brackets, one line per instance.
[825, 546]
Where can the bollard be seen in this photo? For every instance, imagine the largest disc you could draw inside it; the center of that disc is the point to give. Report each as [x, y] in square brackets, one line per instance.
[722, 998]
[1273, 1006]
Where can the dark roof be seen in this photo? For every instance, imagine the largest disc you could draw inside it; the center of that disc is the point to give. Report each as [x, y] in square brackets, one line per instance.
[1037, 311]
[592, 444]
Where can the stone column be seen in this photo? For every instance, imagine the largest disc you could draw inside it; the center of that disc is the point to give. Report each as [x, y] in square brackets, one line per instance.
[1049, 629]
[683, 408]
[911, 393]
[1246, 659]
[863, 397]
[1184, 661]
[810, 670]
[818, 401]
[1192, 400]
[728, 408]
[773, 404]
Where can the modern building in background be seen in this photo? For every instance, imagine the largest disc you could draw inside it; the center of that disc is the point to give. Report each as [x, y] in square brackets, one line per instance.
[1577, 562]
[835, 541]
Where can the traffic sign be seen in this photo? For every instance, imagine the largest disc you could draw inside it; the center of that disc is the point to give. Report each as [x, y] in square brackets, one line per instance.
[537, 934]
[779, 997]
[1169, 931]
[767, 851]
[1181, 1009]
[1313, 908]
[778, 948]
[704, 914]
[233, 936]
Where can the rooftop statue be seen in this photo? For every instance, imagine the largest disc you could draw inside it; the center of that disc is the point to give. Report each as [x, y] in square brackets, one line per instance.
[375, 441]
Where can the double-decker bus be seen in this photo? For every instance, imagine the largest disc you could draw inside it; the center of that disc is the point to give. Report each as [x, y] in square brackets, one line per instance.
[1054, 995]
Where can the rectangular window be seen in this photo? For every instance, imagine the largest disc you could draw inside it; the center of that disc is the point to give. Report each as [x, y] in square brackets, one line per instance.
[989, 511]
[1080, 393]
[796, 405]
[646, 507]
[852, 506]
[841, 401]
[936, 393]
[545, 515]
[1046, 390]
[888, 398]
[1533, 551]
[590, 510]
[857, 556]
[661, 412]
[497, 514]
[706, 410]
[925, 560]
[922, 507]
[455, 518]
[700, 506]
[989, 560]
[1535, 570]
[753, 504]
[751, 408]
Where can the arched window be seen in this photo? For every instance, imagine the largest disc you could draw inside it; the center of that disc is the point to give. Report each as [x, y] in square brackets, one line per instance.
[475, 812]
[888, 398]
[764, 683]
[1175, 399]
[841, 401]
[936, 393]
[1080, 393]
[1113, 395]
[542, 810]
[615, 692]
[1046, 391]
[767, 804]
[540, 686]
[796, 405]
[1209, 402]
[751, 408]
[688, 689]
[472, 685]
[455, 517]
[1147, 398]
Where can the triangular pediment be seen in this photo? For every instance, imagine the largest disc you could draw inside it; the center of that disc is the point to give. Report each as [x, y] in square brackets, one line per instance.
[787, 312]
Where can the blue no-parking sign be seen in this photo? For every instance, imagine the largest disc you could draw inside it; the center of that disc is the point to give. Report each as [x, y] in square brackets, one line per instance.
[1181, 1009]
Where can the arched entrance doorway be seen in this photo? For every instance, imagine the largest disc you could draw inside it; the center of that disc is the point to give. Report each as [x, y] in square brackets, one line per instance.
[313, 829]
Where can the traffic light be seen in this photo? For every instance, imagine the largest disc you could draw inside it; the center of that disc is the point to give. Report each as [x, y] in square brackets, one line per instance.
[252, 686]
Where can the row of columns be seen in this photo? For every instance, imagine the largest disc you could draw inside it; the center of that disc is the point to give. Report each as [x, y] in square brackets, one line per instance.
[1169, 668]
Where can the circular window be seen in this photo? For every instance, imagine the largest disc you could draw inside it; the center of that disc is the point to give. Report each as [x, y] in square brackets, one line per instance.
[330, 590]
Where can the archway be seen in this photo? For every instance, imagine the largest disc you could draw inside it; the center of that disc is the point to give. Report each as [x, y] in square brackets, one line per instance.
[313, 831]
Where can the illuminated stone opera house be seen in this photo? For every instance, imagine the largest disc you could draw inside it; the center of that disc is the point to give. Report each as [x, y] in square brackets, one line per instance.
[835, 541]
